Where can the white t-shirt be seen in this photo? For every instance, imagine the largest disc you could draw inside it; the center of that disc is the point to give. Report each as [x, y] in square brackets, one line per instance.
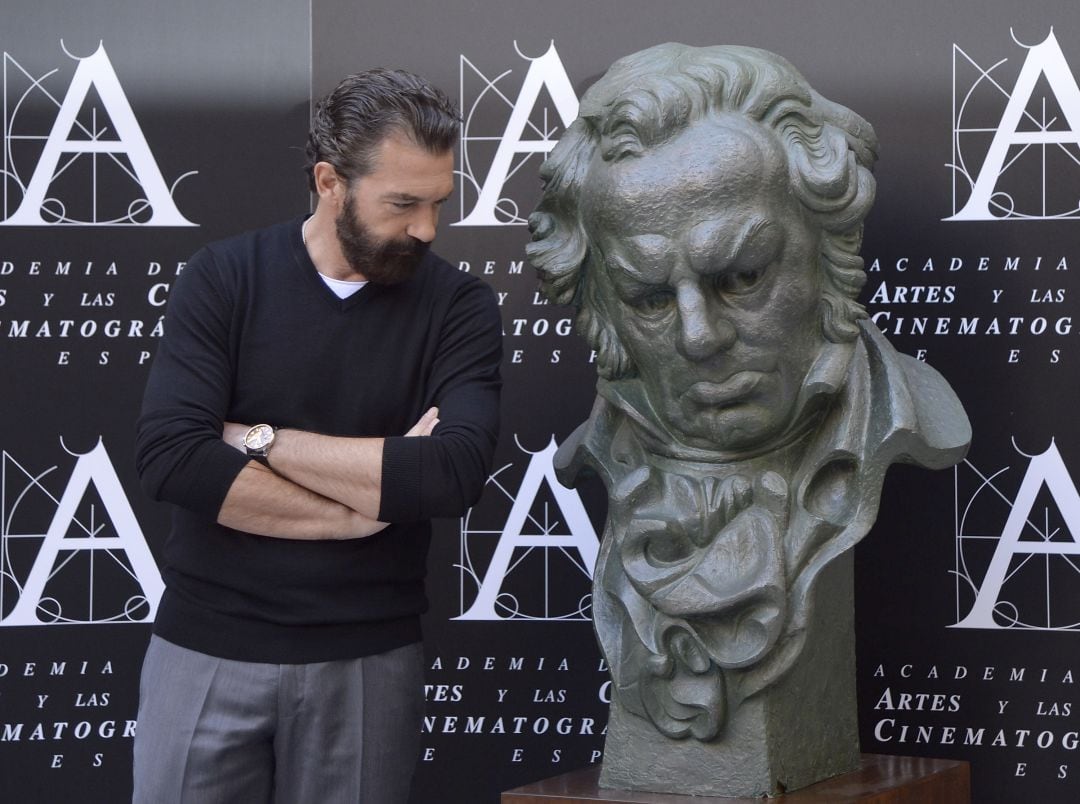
[343, 288]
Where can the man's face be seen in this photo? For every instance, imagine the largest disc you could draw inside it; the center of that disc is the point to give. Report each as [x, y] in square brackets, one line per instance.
[388, 216]
[708, 266]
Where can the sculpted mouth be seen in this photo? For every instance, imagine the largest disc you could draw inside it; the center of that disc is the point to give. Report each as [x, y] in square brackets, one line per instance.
[731, 390]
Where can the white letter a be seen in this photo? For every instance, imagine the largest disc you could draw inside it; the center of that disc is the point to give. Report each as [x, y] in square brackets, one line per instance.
[96, 72]
[1046, 59]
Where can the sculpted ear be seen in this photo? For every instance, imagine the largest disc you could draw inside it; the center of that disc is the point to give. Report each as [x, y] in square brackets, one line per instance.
[595, 325]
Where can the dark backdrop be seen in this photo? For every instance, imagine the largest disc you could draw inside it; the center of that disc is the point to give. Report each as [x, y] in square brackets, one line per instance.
[517, 691]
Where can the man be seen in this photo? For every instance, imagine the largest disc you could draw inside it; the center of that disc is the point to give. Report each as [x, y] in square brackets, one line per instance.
[705, 214]
[325, 386]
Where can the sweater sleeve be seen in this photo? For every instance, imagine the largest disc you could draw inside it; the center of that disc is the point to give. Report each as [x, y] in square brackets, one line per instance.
[443, 474]
[179, 453]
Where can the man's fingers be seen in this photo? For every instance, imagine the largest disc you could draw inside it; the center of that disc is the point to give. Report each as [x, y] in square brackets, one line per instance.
[426, 425]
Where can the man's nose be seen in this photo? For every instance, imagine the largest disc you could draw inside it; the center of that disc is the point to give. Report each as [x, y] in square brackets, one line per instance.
[423, 225]
[703, 331]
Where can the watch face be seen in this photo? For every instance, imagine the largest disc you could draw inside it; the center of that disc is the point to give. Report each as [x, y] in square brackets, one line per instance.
[259, 436]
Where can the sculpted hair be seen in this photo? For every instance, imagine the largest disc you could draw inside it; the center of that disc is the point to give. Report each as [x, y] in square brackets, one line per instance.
[350, 122]
[648, 97]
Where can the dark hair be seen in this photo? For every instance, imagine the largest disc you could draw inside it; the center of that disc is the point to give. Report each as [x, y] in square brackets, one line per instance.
[359, 113]
[650, 96]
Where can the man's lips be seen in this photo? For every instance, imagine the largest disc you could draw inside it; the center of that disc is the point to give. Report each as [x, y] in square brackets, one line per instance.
[734, 388]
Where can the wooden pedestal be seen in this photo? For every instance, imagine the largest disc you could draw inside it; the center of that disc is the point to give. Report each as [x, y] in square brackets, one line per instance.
[880, 779]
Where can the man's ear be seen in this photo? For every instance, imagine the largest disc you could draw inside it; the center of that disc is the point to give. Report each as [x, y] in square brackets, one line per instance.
[329, 184]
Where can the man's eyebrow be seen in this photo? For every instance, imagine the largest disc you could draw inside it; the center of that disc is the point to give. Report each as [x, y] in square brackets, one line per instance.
[399, 196]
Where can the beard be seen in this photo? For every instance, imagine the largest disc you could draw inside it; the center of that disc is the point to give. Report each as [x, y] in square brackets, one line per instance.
[384, 262]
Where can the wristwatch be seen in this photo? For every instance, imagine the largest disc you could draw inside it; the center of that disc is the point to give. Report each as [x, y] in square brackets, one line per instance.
[258, 440]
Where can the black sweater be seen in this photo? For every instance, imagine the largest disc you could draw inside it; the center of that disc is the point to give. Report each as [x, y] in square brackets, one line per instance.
[252, 334]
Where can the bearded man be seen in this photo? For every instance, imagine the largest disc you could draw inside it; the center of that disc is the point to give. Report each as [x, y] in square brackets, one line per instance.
[325, 387]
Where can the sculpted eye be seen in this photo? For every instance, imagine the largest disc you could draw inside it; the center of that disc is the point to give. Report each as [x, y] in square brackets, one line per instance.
[656, 303]
[735, 282]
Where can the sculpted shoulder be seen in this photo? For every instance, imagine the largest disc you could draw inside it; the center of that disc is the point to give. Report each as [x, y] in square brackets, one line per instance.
[943, 424]
[942, 418]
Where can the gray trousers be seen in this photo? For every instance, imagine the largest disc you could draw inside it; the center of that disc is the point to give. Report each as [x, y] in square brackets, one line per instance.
[215, 730]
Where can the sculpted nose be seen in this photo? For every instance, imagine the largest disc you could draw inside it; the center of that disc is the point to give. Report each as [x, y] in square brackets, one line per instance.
[702, 332]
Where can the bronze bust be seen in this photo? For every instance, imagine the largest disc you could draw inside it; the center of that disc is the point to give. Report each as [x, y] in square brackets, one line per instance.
[704, 215]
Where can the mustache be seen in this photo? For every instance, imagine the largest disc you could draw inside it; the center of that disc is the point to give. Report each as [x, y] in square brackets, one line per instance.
[410, 248]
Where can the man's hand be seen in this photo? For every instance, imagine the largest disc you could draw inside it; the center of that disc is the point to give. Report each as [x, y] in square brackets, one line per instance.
[426, 425]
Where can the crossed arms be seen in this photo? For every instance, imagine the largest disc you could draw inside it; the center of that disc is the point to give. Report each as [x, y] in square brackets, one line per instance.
[320, 487]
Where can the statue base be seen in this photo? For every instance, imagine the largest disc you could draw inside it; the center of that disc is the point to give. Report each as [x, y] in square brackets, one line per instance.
[798, 731]
[879, 780]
